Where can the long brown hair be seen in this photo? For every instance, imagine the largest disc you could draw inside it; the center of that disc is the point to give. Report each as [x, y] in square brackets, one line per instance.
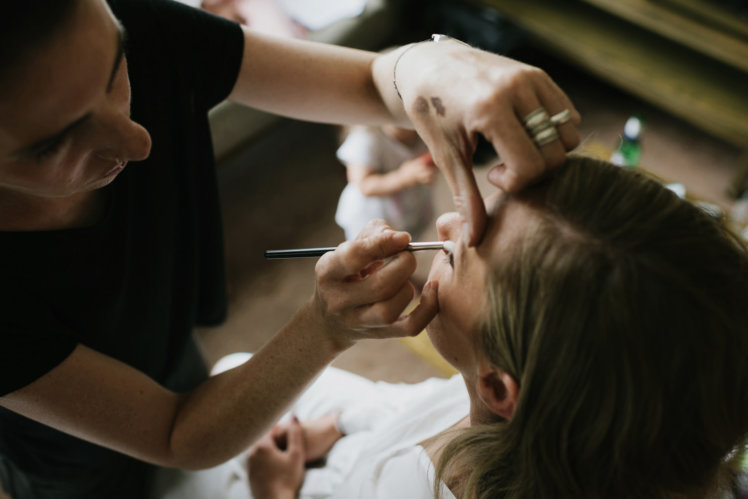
[623, 316]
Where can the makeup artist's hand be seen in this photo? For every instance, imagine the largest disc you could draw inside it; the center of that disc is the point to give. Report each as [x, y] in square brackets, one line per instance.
[363, 288]
[452, 93]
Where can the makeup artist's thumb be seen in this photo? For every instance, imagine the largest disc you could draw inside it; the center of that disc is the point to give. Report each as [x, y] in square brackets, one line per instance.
[429, 297]
[427, 308]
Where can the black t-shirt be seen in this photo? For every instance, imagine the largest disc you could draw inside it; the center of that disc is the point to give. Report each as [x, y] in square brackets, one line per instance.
[134, 285]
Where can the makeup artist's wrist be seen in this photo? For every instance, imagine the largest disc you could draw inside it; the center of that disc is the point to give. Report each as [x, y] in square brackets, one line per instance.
[328, 334]
[438, 44]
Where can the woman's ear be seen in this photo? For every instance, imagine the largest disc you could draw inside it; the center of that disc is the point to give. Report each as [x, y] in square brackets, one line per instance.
[498, 390]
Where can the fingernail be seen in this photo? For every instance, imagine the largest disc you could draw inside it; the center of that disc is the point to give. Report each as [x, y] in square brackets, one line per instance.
[294, 418]
[401, 236]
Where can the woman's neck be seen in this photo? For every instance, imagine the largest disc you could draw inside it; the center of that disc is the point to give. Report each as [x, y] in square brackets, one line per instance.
[434, 446]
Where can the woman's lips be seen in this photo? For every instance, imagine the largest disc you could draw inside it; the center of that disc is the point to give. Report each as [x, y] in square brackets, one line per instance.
[117, 168]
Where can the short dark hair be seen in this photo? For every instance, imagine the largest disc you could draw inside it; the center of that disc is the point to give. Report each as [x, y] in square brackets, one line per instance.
[27, 24]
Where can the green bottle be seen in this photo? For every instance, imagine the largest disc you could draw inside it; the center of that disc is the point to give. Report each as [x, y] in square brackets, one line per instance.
[629, 150]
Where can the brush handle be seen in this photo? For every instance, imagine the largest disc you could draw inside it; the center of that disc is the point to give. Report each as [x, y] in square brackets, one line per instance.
[315, 252]
[297, 253]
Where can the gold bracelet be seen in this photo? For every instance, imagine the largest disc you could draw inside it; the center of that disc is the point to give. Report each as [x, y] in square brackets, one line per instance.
[436, 38]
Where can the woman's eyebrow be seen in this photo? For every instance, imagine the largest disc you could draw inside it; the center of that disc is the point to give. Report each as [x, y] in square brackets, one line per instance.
[121, 39]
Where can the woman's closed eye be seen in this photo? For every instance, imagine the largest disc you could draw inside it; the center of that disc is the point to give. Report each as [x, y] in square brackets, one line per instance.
[48, 149]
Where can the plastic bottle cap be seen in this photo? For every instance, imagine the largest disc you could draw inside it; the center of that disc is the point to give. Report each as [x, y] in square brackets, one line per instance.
[633, 128]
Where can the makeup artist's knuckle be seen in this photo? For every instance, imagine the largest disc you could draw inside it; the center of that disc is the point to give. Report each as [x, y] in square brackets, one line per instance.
[321, 264]
[371, 228]
[484, 106]
[526, 76]
[324, 266]
[359, 253]
[535, 73]
[343, 250]
[372, 240]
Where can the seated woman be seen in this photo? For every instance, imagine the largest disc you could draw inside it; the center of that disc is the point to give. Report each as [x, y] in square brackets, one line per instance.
[601, 334]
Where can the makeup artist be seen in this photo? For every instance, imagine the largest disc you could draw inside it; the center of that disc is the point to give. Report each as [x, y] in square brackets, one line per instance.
[110, 235]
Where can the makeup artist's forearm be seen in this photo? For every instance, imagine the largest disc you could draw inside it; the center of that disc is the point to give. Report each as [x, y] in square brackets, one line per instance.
[409, 68]
[383, 74]
[309, 81]
[230, 411]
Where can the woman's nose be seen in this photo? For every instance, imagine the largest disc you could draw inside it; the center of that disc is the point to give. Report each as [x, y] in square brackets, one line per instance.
[448, 226]
[135, 142]
[122, 138]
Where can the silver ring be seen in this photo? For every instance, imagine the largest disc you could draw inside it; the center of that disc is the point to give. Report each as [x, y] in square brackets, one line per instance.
[543, 125]
[545, 136]
[561, 118]
[535, 118]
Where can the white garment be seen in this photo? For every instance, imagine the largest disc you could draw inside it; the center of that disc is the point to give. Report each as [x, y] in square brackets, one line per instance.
[378, 458]
[410, 209]
[319, 14]
[312, 14]
[192, 3]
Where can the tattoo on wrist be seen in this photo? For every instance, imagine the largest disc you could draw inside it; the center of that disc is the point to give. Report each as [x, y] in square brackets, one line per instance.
[436, 38]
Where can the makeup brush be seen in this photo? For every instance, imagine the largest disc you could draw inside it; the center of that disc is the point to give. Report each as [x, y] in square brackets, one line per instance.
[448, 246]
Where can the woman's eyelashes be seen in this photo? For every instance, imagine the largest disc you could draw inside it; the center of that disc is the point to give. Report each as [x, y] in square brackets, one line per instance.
[48, 149]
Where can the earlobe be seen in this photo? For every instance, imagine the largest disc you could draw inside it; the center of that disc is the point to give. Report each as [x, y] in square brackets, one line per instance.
[499, 391]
